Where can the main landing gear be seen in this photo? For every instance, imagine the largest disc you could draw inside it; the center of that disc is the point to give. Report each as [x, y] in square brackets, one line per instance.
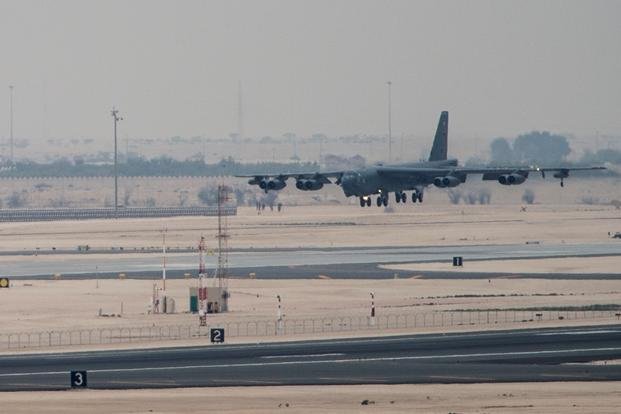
[382, 200]
[417, 195]
[400, 197]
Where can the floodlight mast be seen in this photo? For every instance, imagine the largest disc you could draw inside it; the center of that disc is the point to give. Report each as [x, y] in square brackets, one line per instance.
[389, 83]
[12, 141]
[117, 118]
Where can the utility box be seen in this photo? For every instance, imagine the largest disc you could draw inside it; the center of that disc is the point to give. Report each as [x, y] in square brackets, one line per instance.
[193, 300]
[168, 305]
[193, 304]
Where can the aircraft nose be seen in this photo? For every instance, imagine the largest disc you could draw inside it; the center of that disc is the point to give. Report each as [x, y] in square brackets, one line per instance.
[348, 183]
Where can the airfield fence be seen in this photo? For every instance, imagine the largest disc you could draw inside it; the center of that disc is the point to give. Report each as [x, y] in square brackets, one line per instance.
[275, 328]
[52, 214]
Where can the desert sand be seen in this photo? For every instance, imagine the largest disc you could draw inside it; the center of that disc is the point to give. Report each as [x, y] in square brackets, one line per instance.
[56, 305]
[542, 398]
[331, 226]
[52, 305]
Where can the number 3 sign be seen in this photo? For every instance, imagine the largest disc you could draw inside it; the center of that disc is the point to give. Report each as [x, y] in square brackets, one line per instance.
[78, 379]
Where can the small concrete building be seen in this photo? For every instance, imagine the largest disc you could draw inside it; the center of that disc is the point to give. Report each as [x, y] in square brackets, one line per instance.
[217, 299]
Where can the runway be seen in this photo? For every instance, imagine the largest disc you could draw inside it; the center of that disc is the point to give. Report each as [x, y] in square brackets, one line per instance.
[284, 262]
[553, 354]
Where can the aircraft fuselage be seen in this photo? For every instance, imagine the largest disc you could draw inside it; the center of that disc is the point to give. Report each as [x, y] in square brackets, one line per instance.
[369, 181]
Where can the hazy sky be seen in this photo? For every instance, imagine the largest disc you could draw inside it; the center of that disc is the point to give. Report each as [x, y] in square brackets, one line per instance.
[172, 67]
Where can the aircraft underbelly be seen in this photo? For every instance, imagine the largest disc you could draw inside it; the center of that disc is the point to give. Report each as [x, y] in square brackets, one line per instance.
[397, 184]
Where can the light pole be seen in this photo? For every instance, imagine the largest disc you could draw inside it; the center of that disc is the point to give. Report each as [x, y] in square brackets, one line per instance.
[12, 143]
[164, 259]
[372, 308]
[117, 118]
[389, 83]
[279, 315]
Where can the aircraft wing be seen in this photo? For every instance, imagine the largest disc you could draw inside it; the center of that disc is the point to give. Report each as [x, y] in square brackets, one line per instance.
[488, 173]
[309, 181]
[493, 173]
[322, 176]
[484, 170]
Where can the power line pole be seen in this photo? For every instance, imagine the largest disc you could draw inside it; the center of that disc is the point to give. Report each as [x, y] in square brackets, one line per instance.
[372, 320]
[164, 259]
[389, 83]
[117, 118]
[12, 142]
[240, 113]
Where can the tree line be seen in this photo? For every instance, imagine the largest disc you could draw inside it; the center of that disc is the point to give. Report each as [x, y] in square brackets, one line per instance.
[160, 166]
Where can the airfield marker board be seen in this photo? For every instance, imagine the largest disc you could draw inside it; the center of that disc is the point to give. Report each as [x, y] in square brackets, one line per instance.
[216, 335]
[78, 379]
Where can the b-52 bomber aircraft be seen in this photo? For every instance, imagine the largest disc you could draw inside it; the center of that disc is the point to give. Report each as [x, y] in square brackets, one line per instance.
[381, 180]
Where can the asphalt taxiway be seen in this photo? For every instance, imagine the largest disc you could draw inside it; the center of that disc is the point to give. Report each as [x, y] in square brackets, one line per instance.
[552, 354]
[355, 262]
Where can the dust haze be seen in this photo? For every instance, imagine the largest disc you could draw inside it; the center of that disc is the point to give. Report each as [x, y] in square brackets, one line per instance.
[304, 69]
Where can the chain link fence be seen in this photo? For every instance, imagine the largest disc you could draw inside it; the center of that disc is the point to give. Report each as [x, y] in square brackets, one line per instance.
[273, 328]
[51, 214]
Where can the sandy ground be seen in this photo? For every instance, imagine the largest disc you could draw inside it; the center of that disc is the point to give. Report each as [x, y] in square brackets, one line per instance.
[54, 305]
[332, 226]
[571, 265]
[542, 398]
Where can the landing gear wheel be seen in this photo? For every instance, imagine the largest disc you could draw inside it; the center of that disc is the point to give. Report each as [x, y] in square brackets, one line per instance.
[385, 201]
[363, 202]
[414, 197]
[398, 197]
[379, 201]
[404, 198]
[420, 197]
[368, 201]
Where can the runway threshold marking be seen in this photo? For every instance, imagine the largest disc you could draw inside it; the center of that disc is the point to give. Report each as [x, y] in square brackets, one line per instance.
[302, 355]
[152, 384]
[324, 361]
[459, 378]
[601, 331]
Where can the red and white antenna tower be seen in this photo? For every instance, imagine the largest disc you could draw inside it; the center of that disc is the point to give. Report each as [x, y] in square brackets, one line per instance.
[202, 291]
[222, 236]
[201, 252]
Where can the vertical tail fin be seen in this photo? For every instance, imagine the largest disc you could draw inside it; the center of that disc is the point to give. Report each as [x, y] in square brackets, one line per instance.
[440, 142]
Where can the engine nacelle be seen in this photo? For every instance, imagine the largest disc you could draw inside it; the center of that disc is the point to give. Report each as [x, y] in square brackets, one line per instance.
[274, 185]
[448, 181]
[511, 179]
[308, 185]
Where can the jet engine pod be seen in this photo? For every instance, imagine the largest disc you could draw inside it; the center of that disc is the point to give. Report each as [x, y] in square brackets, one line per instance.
[511, 179]
[448, 181]
[438, 182]
[255, 181]
[308, 185]
[515, 179]
[275, 184]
